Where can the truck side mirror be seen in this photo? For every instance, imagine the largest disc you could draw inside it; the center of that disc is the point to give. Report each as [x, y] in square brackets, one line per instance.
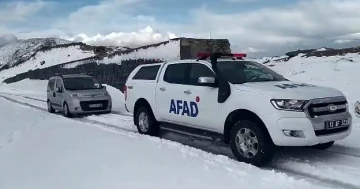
[207, 81]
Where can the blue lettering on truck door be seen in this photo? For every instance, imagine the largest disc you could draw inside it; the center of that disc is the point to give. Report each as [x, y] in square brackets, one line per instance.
[180, 107]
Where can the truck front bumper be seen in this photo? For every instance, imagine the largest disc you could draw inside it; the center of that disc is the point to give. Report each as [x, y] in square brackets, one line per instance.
[310, 131]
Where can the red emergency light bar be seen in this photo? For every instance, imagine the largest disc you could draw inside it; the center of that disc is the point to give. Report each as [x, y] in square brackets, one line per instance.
[232, 55]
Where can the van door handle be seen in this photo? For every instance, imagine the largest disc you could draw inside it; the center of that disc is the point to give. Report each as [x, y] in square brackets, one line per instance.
[162, 89]
[187, 92]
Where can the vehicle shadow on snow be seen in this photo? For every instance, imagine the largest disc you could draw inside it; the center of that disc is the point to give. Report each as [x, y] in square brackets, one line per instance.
[294, 161]
[283, 156]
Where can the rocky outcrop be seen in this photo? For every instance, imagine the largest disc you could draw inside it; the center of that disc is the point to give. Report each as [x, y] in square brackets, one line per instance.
[333, 52]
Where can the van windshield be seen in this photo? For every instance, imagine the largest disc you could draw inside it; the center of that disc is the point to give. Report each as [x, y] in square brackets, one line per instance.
[238, 72]
[81, 83]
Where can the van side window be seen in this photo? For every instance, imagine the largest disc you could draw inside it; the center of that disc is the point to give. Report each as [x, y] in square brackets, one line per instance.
[177, 73]
[51, 84]
[147, 73]
[199, 70]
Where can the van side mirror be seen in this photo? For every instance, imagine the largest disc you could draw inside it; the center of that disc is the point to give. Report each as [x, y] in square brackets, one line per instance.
[104, 87]
[57, 89]
[207, 81]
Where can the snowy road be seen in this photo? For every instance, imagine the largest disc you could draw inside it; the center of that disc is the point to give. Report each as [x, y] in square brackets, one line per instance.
[43, 150]
[334, 168]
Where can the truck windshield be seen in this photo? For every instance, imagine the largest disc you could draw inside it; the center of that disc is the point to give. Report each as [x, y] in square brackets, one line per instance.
[238, 72]
[81, 83]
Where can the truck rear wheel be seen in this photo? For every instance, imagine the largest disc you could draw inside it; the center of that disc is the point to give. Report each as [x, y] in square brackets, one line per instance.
[251, 144]
[146, 122]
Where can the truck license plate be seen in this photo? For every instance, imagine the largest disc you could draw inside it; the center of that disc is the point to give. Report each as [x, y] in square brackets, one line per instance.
[95, 105]
[336, 123]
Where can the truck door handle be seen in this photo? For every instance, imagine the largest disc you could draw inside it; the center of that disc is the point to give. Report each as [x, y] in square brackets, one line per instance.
[187, 92]
[162, 89]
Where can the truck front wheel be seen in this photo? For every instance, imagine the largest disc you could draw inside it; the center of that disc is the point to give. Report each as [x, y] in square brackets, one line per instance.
[146, 122]
[251, 144]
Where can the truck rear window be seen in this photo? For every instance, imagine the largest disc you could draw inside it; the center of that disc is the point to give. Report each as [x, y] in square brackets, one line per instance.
[147, 73]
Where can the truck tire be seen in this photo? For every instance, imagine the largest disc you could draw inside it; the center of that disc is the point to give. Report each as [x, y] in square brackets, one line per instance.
[146, 122]
[251, 144]
[323, 146]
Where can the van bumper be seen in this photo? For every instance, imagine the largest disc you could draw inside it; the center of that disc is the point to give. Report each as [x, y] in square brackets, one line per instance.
[90, 105]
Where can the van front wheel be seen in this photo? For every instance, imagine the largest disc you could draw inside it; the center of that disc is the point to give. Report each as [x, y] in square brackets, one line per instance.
[66, 110]
[49, 107]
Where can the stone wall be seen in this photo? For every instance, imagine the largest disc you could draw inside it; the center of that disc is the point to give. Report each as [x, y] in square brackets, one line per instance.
[115, 74]
[189, 47]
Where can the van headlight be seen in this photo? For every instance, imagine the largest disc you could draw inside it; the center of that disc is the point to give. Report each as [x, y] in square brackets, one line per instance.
[289, 104]
[75, 95]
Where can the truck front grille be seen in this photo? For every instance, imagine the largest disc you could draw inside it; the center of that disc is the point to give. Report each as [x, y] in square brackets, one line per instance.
[326, 106]
[85, 105]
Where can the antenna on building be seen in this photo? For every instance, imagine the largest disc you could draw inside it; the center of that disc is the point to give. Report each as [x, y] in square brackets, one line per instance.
[209, 35]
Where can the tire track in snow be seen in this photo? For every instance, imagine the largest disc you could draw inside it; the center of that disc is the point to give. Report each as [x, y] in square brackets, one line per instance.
[335, 150]
[211, 147]
[84, 119]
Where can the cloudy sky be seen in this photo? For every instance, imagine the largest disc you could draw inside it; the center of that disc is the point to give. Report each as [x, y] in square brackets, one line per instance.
[258, 27]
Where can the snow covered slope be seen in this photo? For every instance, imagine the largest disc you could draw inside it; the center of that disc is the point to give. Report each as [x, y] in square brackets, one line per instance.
[20, 50]
[51, 57]
[165, 51]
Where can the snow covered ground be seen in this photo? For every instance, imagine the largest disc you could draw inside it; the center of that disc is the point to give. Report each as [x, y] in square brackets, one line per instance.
[121, 149]
[43, 150]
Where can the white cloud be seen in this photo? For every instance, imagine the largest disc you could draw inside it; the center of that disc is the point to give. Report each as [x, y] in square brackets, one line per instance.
[19, 10]
[305, 23]
[134, 39]
[311, 23]
[106, 17]
[8, 38]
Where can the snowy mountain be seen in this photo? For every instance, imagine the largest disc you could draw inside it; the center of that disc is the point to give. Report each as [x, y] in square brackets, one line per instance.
[21, 50]
[56, 50]
[323, 52]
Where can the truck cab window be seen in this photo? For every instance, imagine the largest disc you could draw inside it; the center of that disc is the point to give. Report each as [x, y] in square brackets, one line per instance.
[147, 73]
[177, 73]
[199, 70]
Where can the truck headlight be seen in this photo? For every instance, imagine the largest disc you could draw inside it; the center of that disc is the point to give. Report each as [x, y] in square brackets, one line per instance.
[289, 104]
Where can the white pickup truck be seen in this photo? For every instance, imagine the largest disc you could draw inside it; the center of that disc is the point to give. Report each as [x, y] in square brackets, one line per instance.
[244, 104]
